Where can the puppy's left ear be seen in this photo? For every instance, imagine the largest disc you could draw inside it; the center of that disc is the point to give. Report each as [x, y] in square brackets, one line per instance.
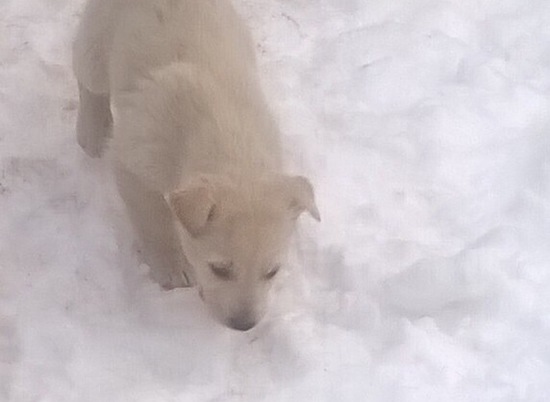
[194, 206]
[301, 197]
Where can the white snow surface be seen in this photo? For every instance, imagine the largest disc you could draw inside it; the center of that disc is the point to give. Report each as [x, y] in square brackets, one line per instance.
[425, 127]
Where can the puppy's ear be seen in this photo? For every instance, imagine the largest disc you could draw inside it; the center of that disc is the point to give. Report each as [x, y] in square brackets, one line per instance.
[194, 206]
[301, 197]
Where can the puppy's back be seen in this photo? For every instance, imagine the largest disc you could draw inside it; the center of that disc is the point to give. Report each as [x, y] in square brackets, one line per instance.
[185, 93]
[151, 34]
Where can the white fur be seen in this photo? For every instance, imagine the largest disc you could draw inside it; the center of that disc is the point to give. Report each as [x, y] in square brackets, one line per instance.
[190, 124]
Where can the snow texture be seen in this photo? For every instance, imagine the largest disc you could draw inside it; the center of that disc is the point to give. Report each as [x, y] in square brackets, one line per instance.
[424, 125]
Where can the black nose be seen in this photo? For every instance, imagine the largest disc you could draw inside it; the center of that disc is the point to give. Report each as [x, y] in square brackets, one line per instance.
[241, 323]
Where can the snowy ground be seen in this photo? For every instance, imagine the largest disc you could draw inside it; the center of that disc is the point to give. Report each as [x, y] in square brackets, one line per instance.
[425, 125]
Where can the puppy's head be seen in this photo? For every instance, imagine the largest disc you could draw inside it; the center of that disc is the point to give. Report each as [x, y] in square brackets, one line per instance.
[235, 235]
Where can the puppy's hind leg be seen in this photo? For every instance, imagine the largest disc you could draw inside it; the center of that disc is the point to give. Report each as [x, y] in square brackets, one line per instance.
[152, 220]
[94, 122]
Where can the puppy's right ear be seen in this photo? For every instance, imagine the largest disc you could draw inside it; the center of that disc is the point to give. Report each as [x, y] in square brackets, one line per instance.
[193, 206]
[301, 196]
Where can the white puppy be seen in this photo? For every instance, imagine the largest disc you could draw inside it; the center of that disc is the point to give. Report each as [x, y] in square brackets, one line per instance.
[196, 151]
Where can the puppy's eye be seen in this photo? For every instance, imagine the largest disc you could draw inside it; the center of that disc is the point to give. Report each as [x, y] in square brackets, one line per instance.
[222, 270]
[272, 272]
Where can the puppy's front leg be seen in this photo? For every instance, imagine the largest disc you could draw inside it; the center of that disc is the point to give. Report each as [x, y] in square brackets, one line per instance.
[94, 121]
[155, 227]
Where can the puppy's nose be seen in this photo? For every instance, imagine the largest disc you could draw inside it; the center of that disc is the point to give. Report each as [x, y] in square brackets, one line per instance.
[241, 323]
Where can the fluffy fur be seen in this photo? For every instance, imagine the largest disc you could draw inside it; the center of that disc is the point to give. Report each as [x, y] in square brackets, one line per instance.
[195, 149]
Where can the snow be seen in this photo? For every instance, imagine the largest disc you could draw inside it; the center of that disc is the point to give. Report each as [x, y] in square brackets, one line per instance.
[424, 126]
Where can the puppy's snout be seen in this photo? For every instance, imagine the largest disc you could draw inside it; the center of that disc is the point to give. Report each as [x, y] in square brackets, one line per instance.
[241, 323]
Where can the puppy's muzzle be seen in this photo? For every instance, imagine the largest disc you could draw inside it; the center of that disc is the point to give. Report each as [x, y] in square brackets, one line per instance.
[241, 323]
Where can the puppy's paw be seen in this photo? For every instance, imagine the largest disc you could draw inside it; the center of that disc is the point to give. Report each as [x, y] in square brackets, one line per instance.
[174, 281]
